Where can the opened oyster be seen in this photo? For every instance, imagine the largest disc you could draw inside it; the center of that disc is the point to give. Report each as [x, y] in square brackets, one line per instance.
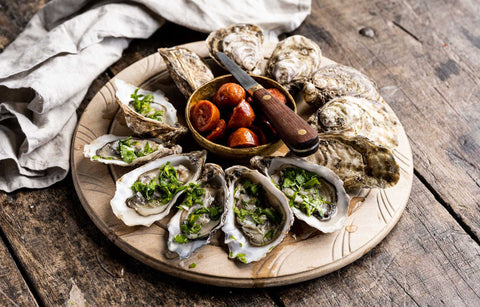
[147, 193]
[338, 80]
[358, 116]
[187, 69]
[242, 43]
[127, 150]
[316, 194]
[200, 213]
[257, 216]
[148, 113]
[294, 61]
[357, 161]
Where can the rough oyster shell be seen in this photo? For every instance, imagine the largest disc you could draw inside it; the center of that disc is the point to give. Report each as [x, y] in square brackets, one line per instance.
[248, 241]
[213, 183]
[104, 149]
[358, 116]
[187, 69]
[242, 43]
[357, 161]
[331, 190]
[338, 80]
[188, 166]
[167, 130]
[293, 61]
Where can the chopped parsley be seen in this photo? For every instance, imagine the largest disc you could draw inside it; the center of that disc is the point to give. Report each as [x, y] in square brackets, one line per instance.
[192, 265]
[242, 257]
[141, 104]
[128, 152]
[167, 185]
[306, 185]
[180, 239]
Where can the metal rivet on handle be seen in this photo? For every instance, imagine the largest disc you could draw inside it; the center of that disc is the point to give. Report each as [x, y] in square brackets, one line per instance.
[302, 132]
[267, 97]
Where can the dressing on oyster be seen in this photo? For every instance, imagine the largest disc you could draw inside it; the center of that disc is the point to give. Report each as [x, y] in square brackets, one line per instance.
[148, 113]
[127, 150]
[316, 194]
[200, 213]
[257, 215]
[358, 116]
[357, 161]
[242, 43]
[293, 61]
[147, 193]
[187, 69]
[338, 80]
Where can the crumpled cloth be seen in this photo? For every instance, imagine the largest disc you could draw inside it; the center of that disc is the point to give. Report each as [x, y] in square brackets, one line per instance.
[46, 72]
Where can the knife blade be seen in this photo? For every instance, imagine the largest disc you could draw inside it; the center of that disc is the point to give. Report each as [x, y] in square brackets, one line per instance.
[295, 132]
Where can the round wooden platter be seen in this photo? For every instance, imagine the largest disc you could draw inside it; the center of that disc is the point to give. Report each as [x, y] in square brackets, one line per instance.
[304, 254]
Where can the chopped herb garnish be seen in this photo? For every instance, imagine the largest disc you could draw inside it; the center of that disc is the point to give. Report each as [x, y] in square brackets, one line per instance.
[141, 104]
[232, 237]
[269, 234]
[192, 266]
[180, 239]
[128, 152]
[242, 257]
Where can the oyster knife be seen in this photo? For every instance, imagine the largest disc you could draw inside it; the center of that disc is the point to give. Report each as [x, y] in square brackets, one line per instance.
[295, 132]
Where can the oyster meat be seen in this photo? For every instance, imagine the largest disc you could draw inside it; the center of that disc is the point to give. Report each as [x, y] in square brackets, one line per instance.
[242, 43]
[316, 193]
[147, 193]
[358, 116]
[200, 213]
[357, 161]
[187, 69]
[257, 216]
[293, 61]
[127, 150]
[148, 113]
[338, 80]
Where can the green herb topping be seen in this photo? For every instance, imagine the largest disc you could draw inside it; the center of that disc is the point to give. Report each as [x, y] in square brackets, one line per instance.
[305, 185]
[192, 266]
[129, 151]
[141, 103]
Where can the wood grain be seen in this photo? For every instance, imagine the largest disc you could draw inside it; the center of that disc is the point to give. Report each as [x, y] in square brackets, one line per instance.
[427, 260]
[427, 69]
[13, 289]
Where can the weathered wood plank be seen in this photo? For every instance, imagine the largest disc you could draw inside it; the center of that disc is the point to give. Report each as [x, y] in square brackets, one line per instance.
[14, 15]
[70, 261]
[426, 260]
[425, 58]
[13, 288]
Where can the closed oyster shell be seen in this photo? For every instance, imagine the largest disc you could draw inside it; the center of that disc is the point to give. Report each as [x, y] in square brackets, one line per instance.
[335, 201]
[358, 116]
[187, 69]
[293, 61]
[105, 149]
[134, 209]
[215, 194]
[248, 240]
[242, 43]
[357, 161]
[338, 80]
[169, 129]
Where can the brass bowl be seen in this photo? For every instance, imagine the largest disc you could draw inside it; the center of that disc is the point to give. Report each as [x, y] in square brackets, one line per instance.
[206, 92]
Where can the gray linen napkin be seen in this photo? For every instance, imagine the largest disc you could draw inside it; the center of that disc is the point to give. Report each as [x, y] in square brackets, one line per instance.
[46, 71]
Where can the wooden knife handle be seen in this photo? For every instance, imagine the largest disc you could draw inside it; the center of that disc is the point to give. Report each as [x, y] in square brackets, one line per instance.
[295, 132]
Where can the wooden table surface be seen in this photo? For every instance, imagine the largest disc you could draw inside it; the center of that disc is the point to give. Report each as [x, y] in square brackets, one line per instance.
[425, 57]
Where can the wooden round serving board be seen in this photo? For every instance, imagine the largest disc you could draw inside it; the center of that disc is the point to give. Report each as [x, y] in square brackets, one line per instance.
[304, 254]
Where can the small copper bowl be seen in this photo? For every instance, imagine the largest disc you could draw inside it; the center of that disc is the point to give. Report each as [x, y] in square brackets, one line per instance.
[206, 92]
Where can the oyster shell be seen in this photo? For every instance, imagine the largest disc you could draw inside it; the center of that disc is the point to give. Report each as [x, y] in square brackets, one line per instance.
[316, 193]
[257, 216]
[200, 214]
[293, 61]
[147, 193]
[242, 43]
[187, 69]
[338, 80]
[167, 128]
[127, 151]
[358, 116]
[357, 161]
